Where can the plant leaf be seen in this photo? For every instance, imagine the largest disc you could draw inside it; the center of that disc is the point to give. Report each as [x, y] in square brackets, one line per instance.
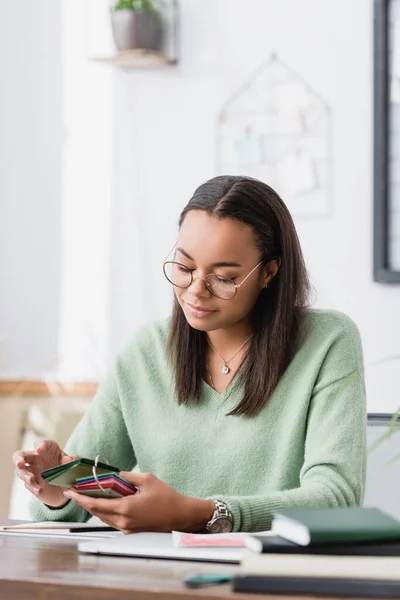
[386, 435]
[392, 460]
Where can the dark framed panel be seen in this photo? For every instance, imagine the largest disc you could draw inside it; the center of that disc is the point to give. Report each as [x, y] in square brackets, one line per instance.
[387, 141]
[380, 419]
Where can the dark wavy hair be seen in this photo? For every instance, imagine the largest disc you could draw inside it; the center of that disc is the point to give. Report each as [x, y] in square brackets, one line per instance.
[277, 316]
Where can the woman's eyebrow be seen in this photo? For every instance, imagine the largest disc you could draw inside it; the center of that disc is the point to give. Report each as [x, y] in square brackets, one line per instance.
[216, 264]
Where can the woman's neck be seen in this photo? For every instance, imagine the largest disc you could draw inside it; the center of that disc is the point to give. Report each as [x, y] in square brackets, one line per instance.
[226, 341]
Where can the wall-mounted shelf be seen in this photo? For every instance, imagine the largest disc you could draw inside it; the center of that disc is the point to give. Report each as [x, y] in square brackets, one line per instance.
[136, 59]
[129, 40]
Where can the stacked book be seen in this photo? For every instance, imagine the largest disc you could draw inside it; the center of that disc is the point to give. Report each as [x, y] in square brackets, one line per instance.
[329, 551]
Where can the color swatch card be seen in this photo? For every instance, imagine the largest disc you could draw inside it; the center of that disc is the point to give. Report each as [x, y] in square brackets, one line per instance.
[66, 475]
[91, 478]
[109, 485]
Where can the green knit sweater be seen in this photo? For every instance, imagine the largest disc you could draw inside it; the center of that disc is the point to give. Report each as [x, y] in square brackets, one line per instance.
[305, 449]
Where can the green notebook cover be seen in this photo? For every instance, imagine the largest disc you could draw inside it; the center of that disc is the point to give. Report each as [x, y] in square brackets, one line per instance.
[334, 525]
[66, 475]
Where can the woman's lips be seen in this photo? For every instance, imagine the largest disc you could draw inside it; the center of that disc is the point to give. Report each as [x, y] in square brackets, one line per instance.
[198, 311]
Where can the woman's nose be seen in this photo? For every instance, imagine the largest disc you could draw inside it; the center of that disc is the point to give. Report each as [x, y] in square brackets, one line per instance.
[198, 286]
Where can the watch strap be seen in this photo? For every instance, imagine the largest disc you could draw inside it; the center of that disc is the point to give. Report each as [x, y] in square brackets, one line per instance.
[221, 511]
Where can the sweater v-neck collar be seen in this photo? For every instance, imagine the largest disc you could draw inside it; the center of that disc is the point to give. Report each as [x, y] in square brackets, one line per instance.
[222, 395]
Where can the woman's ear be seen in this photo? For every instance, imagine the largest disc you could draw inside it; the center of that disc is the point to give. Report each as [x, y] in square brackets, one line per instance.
[270, 271]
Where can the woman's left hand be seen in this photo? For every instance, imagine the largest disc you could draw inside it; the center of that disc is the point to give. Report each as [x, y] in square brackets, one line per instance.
[155, 507]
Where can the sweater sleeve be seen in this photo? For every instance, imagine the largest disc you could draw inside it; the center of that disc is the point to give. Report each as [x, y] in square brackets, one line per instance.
[333, 471]
[102, 431]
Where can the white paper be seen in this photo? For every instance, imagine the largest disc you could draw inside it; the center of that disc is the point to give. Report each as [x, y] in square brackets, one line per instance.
[249, 150]
[60, 534]
[54, 525]
[212, 540]
[60, 529]
[158, 545]
[292, 101]
[297, 173]
[292, 96]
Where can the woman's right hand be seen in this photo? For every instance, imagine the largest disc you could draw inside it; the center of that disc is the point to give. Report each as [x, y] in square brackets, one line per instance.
[30, 464]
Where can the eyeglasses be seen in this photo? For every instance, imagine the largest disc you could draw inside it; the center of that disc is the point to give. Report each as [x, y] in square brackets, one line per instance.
[221, 287]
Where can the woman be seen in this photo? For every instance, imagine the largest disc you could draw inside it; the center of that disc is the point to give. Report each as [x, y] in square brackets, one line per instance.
[244, 402]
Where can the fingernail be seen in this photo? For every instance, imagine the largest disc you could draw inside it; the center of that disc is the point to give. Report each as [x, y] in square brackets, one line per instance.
[67, 494]
[36, 490]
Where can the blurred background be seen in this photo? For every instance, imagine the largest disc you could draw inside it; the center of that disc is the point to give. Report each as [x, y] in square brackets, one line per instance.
[104, 135]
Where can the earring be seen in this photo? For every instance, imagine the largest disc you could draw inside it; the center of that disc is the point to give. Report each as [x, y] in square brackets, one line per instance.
[267, 286]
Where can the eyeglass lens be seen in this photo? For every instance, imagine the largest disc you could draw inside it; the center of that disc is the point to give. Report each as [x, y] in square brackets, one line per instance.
[181, 277]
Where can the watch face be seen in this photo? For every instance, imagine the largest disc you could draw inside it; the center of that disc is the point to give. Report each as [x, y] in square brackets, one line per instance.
[221, 525]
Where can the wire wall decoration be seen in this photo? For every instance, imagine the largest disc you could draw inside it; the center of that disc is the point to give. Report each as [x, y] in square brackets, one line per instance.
[277, 128]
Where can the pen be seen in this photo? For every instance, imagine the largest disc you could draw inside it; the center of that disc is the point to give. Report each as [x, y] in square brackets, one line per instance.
[85, 529]
[201, 580]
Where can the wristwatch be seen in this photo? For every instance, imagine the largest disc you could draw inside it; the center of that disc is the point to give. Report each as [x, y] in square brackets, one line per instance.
[221, 521]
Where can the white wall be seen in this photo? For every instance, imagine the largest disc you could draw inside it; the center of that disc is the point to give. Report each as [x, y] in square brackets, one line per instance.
[55, 193]
[163, 147]
[31, 138]
[86, 198]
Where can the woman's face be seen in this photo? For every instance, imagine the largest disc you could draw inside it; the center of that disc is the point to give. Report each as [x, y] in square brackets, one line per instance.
[204, 244]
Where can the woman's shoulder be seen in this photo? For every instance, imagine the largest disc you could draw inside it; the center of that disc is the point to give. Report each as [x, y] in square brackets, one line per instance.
[148, 340]
[329, 322]
[332, 335]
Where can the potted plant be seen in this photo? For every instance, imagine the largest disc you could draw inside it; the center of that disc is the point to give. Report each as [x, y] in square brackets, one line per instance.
[137, 24]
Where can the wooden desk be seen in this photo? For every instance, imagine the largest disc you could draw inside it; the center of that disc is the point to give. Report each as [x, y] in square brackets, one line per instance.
[38, 569]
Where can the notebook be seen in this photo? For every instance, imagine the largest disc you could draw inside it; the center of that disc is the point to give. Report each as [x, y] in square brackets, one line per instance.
[318, 566]
[334, 525]
[277, 545]
[365, 576]
[316, 586]
[159, 545]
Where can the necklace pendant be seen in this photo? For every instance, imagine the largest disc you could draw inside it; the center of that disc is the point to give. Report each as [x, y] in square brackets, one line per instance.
[225, 370]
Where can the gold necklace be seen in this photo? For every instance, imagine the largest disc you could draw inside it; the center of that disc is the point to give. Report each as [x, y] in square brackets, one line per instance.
[225, 369]
[211, 379]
